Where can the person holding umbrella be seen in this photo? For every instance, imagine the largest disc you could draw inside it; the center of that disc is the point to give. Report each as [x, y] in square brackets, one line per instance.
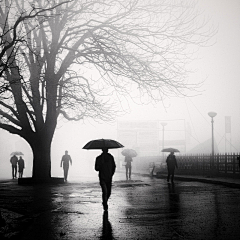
[128, 166]
[129, 154]
[14, 161]
[106, 166]
[171, 164]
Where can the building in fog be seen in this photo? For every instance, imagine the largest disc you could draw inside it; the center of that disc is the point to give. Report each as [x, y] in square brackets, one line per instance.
[149, 137]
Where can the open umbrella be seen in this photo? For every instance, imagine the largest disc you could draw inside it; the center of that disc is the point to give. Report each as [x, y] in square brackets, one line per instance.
[17, 153]
[170, 150]
[102, 143]
[129, 152]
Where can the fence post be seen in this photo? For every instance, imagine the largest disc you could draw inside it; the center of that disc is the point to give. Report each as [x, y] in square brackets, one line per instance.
[225, 163]
[234, 166]
[218, 163]
[203, 163]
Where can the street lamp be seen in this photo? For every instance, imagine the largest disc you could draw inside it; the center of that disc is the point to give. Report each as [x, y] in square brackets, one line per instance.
[163, 125]
[212, 115]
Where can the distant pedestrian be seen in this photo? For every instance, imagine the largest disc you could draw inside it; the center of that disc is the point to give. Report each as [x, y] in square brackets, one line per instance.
[14, 161]
[106, 166]
[20, 167]
[65, 163]
[171, 164]
[128, 167]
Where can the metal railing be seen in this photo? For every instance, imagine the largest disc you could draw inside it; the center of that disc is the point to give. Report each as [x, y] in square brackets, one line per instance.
[221, 165]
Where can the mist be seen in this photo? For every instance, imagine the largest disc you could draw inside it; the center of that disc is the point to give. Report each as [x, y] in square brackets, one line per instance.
[217, 66]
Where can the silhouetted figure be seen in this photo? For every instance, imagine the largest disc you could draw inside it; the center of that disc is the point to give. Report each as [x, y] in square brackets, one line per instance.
[20, 167]
[106, 228]
[14, 161]
[65, 163]
[106, 166]
[128, 167]
[171, 164]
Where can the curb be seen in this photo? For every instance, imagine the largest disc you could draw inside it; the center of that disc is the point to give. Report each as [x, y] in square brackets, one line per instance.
[204, 180]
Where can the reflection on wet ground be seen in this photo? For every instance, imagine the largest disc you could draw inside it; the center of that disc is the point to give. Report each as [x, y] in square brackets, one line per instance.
[142, 208]
[107, 232]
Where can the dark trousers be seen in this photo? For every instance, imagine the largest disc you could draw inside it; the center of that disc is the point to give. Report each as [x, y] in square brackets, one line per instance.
[170, 174]
[128, 171]
[14, 171]
[106, 190]
[65, 171]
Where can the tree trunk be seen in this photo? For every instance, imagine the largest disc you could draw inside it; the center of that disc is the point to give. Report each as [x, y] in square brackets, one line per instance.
[41, 147]
[41, 162]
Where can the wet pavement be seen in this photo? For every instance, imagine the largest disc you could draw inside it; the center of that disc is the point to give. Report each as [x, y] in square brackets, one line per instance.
[142, 208]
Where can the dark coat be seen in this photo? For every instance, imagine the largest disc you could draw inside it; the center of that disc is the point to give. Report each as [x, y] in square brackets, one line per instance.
[14, 160]
[128, 161]
[171, 163]
[65, 161]
[20, 165]
[106, 166]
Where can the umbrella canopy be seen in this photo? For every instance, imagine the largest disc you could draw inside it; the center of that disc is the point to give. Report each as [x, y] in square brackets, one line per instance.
[170, 150]
[102, 143]
[17, 153]
[129, 152]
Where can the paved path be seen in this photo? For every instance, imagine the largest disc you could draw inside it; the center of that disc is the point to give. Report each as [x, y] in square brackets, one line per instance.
[144, 208]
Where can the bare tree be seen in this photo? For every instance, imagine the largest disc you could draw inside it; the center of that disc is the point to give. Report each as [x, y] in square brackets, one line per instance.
[10, 37]
[78, 59]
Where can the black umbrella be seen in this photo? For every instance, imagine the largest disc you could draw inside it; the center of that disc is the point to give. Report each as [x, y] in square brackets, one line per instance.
[102, 143]
[129, 152]
[170, 150]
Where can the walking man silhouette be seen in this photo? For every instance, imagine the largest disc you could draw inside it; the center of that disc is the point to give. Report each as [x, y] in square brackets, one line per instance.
[65, 163]
[171, 164]
[106, 166]
[14, 161]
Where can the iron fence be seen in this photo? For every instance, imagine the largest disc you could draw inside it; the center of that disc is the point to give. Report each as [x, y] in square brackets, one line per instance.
[220, 165]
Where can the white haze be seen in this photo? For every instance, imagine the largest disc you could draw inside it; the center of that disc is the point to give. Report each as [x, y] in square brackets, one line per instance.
[217, 65]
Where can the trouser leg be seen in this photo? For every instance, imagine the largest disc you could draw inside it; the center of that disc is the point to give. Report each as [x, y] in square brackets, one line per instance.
[12, 171]
[172, 176]
[127, 173]
[130, 172]
[109, 189]
[65, 173]
[168, 177]
[104, 194]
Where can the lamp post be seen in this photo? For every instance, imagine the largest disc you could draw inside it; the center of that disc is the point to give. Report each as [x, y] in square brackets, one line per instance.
[212, 115]
[163, 125]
